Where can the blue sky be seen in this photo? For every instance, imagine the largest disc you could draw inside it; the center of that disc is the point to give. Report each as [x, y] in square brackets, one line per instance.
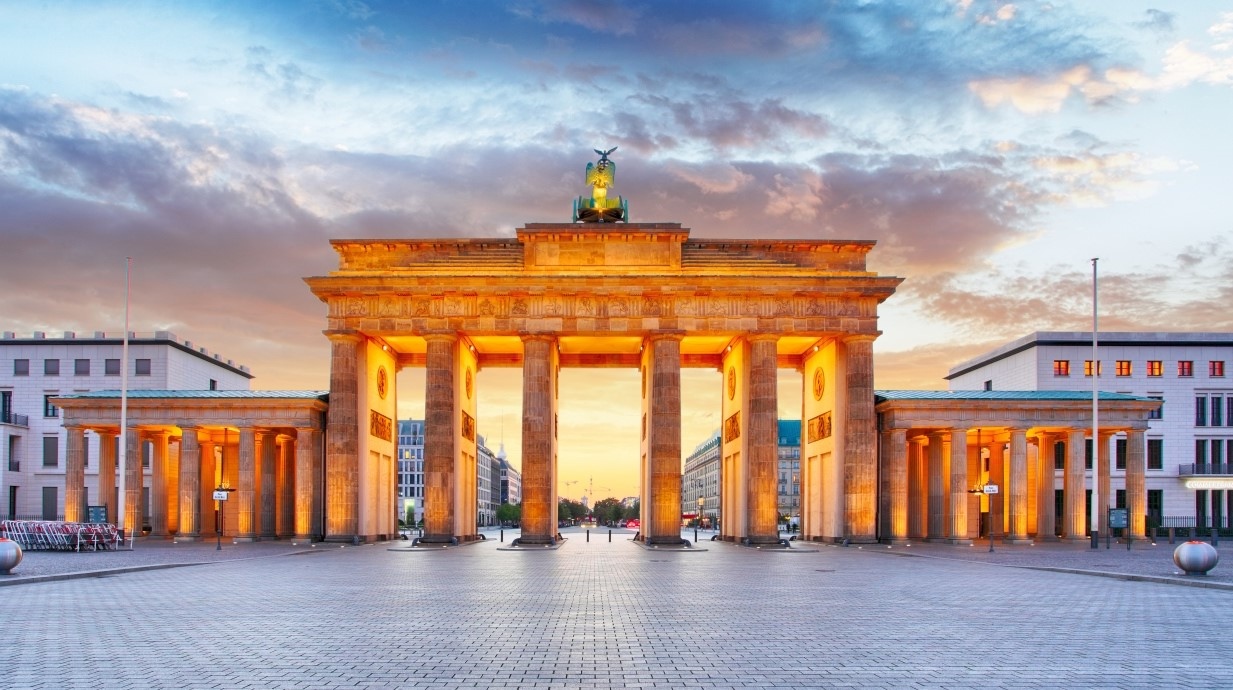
[991, 149]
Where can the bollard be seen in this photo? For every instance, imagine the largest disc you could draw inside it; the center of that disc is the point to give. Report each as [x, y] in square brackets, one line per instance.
[609, 536]
[503, 535]
[695, 534]
[1172, 534]
[588, 536]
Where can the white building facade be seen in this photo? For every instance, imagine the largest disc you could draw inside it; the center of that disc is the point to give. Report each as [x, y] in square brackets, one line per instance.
[1189, 442]
[492, 478]
[38, 368]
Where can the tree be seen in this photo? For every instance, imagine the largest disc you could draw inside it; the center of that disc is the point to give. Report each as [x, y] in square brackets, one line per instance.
[510, 514]
[608, 511]
[634, 511]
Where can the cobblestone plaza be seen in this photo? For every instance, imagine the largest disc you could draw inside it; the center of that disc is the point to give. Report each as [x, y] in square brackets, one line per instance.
[613, 614]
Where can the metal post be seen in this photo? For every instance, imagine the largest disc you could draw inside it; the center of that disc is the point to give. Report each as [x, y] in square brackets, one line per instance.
[1095, 417]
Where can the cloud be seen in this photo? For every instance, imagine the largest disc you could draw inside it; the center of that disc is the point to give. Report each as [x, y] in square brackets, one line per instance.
[1159, 21]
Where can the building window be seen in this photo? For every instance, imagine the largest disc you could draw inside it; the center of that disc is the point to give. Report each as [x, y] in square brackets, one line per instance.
[1061, 367]
[1155, 454]
[51, 367]
[1087, 368]
[1123, 367]
[1217, 411]
[989, 385]
[1120, 453]
[1059, 456]
[51, 451]
[1200, 451]
[1155, 506]
[142, 368]
[1087, 454]
[21, 367]
[1185, 368]
[1157, 413]
[1215, 369]
[146, 447]
[50, 410]
[1200, 410]
[81, 367]
[111, 367]
[1155, 367]
[213, 385]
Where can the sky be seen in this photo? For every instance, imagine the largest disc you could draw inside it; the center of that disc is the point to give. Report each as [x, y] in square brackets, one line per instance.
[991, 150]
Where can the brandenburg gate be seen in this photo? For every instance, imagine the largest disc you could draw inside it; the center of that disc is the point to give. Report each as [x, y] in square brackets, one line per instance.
[601, 294]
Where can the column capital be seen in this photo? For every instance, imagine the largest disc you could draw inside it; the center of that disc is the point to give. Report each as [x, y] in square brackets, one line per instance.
[665, 335]
[343, 336]
[440, 337]
[860, 337]
[74, 427]
[761, 337]
[537, 337]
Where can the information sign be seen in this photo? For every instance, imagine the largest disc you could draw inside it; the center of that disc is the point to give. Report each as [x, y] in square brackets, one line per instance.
[1118, 518]
[96, 514]
[220, 495]
[991, 488]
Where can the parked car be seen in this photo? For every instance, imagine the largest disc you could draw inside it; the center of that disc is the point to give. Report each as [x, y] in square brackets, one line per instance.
[621, 522]
[633, 523]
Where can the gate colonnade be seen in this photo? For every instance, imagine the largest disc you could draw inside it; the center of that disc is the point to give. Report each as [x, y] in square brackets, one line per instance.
[642, 296]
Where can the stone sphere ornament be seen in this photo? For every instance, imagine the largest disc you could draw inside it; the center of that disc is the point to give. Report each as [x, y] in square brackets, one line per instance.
[1196, 557]
[10, 555]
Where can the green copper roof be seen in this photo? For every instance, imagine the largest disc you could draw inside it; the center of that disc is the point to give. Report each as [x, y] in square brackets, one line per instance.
[204, 394]
[880, 396]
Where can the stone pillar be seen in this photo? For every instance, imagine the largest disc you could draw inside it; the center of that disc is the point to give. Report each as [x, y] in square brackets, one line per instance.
[133, 480]
[305, 481]
[75, 474]
[1136, 482]
[918, 489]
[286, 488]
[538, 439]
[894, 473]
[664, 440]
[267, 486]
[1046, 510]
[172, 484]
[246, 488]
[939, 484]
[107, 474]
[210, 477]
[763, 464]
[1017, 498]
[860, 460]
[1074, 522]
[342, 437]
[1103, 482]
[997, 475]
[959, 497]
[190, 485]
[440, 437]
[158, 484]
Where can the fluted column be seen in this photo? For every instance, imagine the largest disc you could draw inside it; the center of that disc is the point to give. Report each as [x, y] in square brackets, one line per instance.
[763, 465]
[441, 421]
[918, 489]
[75, 474]
[538, 439]
[246, 495]
[267, 487]
[939, 483]
[305, 482]
[133, 480]
[1046, 507]
[342, 437]
[1074, 522]
[190, 485]
[959, 484]
[107, 474]
[158, 484]
[664, 440]
[894, 472]
[172, 484]
[1136, 482]
[286, 487]
[1103, 481]
[1017, 498]
[860, 462]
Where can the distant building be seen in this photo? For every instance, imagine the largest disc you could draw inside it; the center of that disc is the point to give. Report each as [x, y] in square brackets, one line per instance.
[511, 480]
[411, 469]
[38, 368]
[493, 476]
[1189, 441]
[700, 480]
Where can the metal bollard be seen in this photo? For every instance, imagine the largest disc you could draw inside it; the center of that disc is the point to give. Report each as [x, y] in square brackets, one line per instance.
[609, 536]
[695, 534]
[502, 534]
[588, 536]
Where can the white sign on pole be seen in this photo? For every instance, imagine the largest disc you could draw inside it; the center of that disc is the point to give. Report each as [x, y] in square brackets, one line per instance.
[220, 495]
[991, 488]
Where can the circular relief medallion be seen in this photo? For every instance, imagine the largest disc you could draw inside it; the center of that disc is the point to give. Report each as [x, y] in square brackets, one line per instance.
[731, 382]
[468, 383]
[383, 382]
[819, 383]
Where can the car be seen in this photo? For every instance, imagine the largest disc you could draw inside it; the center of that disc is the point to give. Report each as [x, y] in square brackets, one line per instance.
[621, 522]
[633, 523]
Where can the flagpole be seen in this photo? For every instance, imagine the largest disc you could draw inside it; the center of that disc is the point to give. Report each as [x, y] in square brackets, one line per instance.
[1095, 418]
[121, 518]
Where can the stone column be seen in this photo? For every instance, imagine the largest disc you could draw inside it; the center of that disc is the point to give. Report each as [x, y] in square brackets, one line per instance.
[763, 463]
[286, 487]
[894, 472]
[246, 494]
[190, 485]
[267, 487]
[210, 477]
[158, 484]
[538, 439]
[664, 440]
[107, 474]
[959, 497]
[441, 421]
[305, 481]
[172, 484]
[1103, 482]
[939, 482]
[918, 489]
[1074, 522]
[1017, 499]
[860, 460]
[1046, 511]
[75, 474]
[1136, 482]
[133, 480]
[997, 475]
[342, 456]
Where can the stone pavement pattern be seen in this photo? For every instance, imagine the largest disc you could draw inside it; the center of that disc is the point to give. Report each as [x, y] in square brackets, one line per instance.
[604, 615]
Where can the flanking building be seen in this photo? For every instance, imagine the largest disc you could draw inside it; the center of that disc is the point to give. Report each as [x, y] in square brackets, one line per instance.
[1188, 440]
[36, 369]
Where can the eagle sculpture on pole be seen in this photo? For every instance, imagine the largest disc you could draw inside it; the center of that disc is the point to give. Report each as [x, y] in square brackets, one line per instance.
[600, 208]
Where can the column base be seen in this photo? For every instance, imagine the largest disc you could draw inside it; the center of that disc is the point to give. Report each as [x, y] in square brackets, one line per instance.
[244, 540]
[959, 541]
[1018, 540]
[898, 542]
[187, 538]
